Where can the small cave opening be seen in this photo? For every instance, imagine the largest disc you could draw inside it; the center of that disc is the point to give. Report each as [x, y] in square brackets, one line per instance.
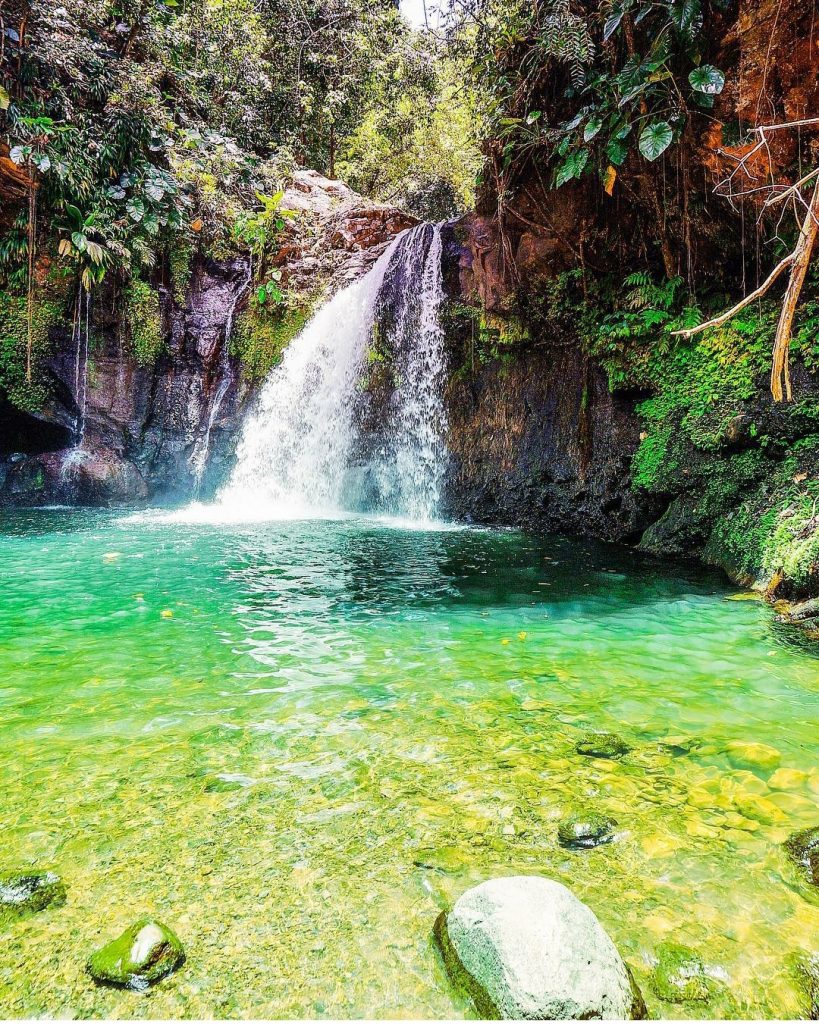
[27, 434]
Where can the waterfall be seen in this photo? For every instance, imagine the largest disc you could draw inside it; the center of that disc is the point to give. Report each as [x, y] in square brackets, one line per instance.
[199, 456]
[410, 466]
[81, 331]
[295, 453]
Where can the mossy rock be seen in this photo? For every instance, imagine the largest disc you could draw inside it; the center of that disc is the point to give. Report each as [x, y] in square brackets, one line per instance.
[602, 744]
[141, 956]
[756, 756]
[803, 849]
[585, 831]
[679, 976]
[27, 892]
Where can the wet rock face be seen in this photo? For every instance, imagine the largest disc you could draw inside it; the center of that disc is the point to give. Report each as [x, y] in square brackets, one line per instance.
[526, 948]
[144, 954]
[536, 440]
[27, 892]
[168, 431]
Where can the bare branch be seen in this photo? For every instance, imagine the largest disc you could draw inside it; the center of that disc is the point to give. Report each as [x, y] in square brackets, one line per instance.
[790, 188]
[801, 258]
[757, 293]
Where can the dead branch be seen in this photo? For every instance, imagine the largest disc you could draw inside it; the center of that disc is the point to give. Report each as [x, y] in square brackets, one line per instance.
[801, 258]
[797, 260]
[757, 293]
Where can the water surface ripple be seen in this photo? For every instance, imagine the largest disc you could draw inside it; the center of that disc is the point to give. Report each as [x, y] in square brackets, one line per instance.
[296, 741]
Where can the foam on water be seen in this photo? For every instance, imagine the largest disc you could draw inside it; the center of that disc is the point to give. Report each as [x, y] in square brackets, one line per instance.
[297, 446]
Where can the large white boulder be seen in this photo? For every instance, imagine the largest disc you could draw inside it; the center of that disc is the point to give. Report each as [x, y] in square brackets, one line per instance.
[525, 947]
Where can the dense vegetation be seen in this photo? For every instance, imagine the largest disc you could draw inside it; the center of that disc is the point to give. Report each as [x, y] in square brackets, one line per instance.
[144, 133]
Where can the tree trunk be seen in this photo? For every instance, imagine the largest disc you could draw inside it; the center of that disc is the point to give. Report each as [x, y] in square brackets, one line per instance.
[780, 373]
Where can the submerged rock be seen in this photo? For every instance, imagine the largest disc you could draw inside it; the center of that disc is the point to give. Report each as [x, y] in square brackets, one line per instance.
[585, 831]
[679, 976]
[526, 948]
[803, 849]
[602, 744]
[757, 756]
[144, 953]
[26, 892]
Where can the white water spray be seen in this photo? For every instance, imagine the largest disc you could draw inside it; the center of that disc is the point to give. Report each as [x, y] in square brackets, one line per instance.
[295, 450]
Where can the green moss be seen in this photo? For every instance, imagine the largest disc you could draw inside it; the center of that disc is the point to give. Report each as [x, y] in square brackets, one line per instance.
[47, 312]
[679, 976]
[180, 260]
[144, 319]
[261, 335]
[141, 956]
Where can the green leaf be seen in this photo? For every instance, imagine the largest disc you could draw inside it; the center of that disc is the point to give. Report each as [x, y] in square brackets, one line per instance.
[261, 295]
[593, 126]
[5, 99]
[655, 139]
[572, 167]
[135, 208]
[532, 116]
[707, 79]
[612, 24]
[616, 151]
[79, 240]
[156, 192]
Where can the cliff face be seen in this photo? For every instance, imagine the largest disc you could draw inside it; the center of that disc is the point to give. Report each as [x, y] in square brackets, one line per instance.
[543, 444]
[676, 446]
[114, 430]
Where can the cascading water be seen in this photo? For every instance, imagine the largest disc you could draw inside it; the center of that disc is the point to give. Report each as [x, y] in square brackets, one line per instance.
[76, 455]
[295, 451]
[201, 451]
[410, 467]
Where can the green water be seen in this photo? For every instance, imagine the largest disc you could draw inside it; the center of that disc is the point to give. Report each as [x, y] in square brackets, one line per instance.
[397, 712]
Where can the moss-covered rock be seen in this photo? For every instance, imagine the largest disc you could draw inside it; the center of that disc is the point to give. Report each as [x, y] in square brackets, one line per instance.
[141, 956]
[261, 335]
[756, 756]
[26, 892]
[602, 744]
[144, 318]
[584, 831]
[679, 976]
[803, 849]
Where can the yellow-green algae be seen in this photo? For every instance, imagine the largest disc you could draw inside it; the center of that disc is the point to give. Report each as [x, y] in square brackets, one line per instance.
[399, 711]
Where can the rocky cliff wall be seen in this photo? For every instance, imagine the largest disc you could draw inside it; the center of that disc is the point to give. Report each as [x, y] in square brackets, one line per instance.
[122, 426]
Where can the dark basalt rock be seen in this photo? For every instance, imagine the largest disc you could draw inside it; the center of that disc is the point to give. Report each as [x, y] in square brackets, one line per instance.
[803, 849]
[602, 744]
[27, 892]
[141, 956]
[585, 831]
[679, 976]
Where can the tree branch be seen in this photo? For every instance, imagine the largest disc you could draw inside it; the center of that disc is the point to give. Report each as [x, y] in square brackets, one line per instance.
[780, 373]
[757, 293]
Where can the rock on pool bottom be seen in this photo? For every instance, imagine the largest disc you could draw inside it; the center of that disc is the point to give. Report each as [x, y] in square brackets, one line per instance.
[297, 742]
